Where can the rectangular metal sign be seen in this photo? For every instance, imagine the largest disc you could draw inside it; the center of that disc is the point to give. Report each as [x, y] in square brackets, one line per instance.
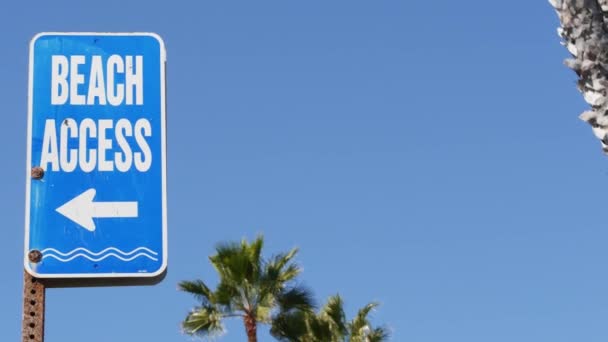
[96, 156]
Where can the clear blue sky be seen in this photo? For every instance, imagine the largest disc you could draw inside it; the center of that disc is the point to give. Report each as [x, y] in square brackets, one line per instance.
[423, 154]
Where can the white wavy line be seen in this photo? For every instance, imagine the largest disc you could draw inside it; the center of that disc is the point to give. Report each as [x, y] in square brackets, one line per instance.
[123, 253]
[99, 259]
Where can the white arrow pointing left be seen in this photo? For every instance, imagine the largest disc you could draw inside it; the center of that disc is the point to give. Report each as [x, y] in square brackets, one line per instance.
[81, 209]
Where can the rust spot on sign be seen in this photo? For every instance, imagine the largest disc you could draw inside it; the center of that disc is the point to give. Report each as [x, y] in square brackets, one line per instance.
[34, 255]
[37, 172]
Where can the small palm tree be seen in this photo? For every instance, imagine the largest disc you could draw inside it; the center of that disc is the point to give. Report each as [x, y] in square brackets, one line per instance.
[250, 288]
[361, 329]
[328, 325]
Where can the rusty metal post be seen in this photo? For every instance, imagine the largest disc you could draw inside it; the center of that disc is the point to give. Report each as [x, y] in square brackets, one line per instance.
[33, 309]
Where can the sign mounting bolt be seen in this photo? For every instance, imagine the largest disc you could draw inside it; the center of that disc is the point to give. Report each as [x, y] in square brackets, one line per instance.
[37, 172]
[35, 256]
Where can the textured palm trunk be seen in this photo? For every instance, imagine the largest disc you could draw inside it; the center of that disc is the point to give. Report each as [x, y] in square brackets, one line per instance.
[251, 328]
[584, 30]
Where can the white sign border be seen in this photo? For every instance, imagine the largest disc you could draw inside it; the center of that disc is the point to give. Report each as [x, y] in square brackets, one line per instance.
[163, 105]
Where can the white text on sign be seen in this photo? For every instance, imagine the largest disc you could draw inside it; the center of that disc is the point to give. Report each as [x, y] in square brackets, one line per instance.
[66, 77]
[55, 149]
[103, 144]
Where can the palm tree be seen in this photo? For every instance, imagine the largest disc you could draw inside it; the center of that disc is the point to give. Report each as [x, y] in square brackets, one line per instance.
[361, 329]
[250, 288]
[328, 325]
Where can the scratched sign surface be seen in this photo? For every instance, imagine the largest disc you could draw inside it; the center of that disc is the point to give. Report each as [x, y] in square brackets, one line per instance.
[96, 203]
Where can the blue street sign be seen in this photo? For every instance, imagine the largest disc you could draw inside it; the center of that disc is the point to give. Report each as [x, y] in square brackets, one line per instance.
[96, 158]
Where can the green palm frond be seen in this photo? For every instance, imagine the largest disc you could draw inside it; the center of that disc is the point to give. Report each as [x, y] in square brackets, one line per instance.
[254, 249]
[238, 263]
[333, 312]
[203, 321]
[289, 272]
[322, 330]
[280, 260]
[198, 289]
[278, 270]
[296, 298]
[290, 326]
[231, 264]
[225, 295]
[379, 334]
[361, 320]
[263, 313]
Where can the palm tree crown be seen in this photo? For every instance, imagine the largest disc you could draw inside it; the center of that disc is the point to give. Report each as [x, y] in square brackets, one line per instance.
[328, 325]
[250, 287]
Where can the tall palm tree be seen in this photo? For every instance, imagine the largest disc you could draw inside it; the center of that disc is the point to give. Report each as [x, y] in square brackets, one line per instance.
[250, 287]
[328, 325]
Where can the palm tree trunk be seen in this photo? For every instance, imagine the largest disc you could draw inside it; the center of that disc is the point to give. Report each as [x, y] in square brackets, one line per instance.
[584, 29]
[251, 328]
